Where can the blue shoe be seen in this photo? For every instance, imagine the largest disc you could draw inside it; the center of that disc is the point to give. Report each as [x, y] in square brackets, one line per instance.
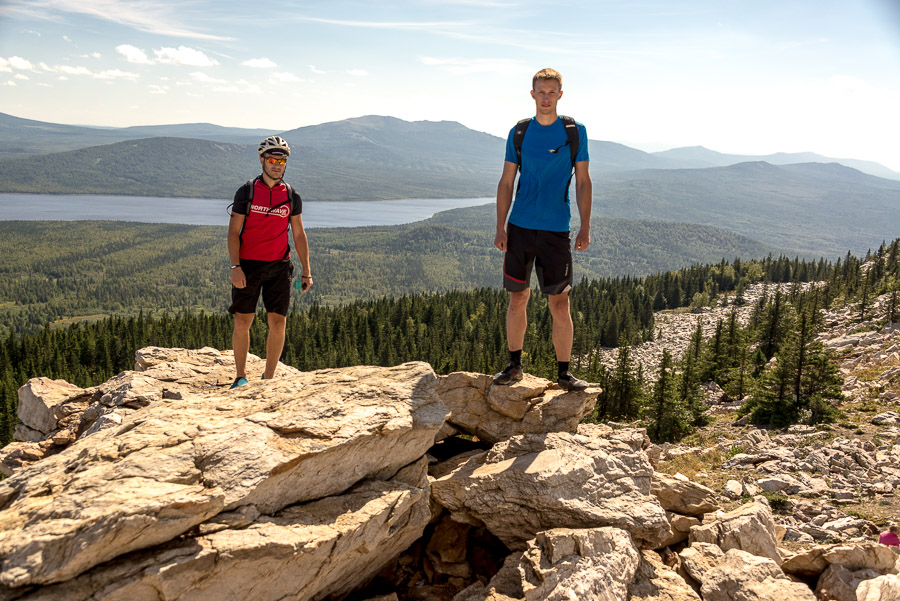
[239, 381]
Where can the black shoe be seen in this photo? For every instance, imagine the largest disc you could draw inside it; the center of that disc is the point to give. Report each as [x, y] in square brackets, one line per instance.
[570, 382]
[511, 373]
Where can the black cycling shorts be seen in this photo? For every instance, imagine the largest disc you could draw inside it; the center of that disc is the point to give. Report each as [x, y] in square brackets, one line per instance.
[272, 278]
[549, 252]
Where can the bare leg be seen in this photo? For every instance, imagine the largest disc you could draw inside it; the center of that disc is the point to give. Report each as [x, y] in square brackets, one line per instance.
[563, 330]
[517, 319]
[240, 342]
[274, 343]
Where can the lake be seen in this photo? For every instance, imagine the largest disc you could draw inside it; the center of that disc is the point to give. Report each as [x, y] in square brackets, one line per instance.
[203, 211]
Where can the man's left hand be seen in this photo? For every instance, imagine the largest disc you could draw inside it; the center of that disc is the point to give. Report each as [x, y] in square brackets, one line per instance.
[583, 239]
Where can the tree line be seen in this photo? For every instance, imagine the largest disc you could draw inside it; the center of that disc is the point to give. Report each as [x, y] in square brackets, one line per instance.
[464, 331]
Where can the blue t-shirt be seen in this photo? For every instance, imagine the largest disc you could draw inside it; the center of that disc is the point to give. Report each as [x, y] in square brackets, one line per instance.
[542, 202]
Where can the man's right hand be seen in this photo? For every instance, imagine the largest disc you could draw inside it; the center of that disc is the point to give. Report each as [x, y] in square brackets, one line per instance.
[500, 240]
[238, 279]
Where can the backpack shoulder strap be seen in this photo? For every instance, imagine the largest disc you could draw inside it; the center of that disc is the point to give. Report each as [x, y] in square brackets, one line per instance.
[572, 135]
[518, 136]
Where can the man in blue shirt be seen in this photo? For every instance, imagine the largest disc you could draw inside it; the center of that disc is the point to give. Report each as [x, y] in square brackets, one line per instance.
[536, 232]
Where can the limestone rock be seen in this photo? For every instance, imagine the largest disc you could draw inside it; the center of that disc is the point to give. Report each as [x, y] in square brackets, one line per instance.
[733, 489]
[699, 559]
[654, 581]
[837, 583]
[497, 413]
[38, 398]
[883, 588]
[177, 463]
[853, 556]
[326, 547]
[681, 528]
[536, 482]
[742, 576]
[596, 563]
[748, 528]
[680, 495]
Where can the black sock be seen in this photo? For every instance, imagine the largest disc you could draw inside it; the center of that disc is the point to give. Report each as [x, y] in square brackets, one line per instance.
[561, 368]
[515, 357]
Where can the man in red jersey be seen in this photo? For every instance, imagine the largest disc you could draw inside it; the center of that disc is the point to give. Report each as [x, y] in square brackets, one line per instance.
[263, 212]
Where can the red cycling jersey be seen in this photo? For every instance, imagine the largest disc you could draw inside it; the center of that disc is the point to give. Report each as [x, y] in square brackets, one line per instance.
[264, 236]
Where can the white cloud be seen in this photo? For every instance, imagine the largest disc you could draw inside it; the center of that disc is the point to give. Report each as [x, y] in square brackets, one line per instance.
[316, 70]
[67, 38]
[184, 56]
[133, 54]
[32, 32]
[21, 77]
[17, 62]
[240, 87]
[158, 17]
[4, 66]
[462, 66]
[92, 55]
[155, 89]
[116, 74]
[204, 78]
[259, 63]
[282, 77]
[357, 72]
[9, 83]
[72, 70]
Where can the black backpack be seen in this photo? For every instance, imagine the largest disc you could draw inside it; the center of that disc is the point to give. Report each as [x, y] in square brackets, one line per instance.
[572, 142]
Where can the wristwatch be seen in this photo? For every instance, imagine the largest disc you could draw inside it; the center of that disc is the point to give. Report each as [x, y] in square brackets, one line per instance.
[233, 266]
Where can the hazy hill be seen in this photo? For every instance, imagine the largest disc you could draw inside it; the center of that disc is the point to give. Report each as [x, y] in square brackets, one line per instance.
[820, 209]
[28, 137]
[204, 169]
[388, 141]
[699, 157]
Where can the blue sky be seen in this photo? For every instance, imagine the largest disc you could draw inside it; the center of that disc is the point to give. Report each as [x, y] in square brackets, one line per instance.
[744, 76]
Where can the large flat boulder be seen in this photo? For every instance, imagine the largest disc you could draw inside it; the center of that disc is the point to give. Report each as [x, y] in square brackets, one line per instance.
[307, 551]
[530, 483]
[177, 462]
[495, 413]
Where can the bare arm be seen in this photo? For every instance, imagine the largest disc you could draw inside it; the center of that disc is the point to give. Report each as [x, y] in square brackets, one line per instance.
[584, 192]
[238, 280]
[504, 201]
[301, 245]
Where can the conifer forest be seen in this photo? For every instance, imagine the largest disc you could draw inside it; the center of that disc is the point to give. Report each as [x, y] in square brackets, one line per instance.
[464, 330]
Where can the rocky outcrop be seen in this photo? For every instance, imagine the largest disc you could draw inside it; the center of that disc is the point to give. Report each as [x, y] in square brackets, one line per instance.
[536, 482]
[496, 413]
[212, 475]
[163, 485]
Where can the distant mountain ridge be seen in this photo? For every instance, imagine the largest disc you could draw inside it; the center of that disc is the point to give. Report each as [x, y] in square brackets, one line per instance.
[374, 138]
[811, 209]
[699, 157]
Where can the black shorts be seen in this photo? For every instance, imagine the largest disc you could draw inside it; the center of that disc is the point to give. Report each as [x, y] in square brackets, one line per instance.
[272, 278]
[549, 252]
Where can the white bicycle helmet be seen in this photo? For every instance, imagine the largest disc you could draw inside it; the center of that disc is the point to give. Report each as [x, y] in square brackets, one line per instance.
[275, 145]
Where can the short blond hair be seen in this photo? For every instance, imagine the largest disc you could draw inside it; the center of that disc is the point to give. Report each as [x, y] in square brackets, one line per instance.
[547, 75]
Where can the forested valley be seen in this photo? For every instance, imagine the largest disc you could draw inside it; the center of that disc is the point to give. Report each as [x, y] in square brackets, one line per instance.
[58, 272]
[464, 330]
